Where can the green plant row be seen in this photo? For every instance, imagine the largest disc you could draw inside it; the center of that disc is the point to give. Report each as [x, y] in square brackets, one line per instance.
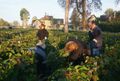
[17, 61]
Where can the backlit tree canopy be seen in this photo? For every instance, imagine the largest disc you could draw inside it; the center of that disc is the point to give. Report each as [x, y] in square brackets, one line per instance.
[24, 15]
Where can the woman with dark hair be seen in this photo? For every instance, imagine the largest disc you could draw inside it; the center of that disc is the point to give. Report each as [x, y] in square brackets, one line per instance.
[40, 53]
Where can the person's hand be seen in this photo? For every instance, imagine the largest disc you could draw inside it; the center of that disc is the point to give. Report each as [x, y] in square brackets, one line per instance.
[95, 40]
[45, 38]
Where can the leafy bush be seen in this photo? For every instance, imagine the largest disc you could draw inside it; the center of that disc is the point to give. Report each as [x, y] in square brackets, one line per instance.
[113, 26]
[17, 62]
[4, 23]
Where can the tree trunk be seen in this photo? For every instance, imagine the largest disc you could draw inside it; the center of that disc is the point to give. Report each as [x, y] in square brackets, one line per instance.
[84, 14]
[24, 23]
[74, 27]
[66, 16]
[73, 23]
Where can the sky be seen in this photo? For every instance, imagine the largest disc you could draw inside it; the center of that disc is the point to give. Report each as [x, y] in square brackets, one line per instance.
[10, 9]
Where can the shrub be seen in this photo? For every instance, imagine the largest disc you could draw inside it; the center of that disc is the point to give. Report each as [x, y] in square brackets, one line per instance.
[113, 26]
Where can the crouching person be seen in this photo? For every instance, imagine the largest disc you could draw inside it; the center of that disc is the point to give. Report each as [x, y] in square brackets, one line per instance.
[40, 53]
[77, 51]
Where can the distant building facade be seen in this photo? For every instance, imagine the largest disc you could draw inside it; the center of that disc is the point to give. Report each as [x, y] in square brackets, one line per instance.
[49, 21]
[103, 17]
[92, 18]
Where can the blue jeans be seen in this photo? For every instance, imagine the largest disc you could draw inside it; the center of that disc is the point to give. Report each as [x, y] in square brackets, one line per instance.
[95, 51]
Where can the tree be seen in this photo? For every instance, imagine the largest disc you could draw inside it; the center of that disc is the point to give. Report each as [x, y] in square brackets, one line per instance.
[74, 18]
[65, 4]
[16, 23]
[34, 19]
[66, 16]
[109, 12]
[117, 1]
[84, 14]
[118, 14]
[24, 14]
[83, 7]
[62, 3]
[3, 22]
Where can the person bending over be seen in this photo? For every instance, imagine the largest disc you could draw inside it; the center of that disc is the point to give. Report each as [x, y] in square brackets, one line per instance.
[77, 51]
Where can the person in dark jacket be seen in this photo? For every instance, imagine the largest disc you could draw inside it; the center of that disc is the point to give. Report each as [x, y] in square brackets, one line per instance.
[40, 53]
[95, 38]
[42, 35]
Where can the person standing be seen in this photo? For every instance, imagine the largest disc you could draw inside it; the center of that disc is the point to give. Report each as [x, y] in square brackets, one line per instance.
[95, 38]
[40, 53]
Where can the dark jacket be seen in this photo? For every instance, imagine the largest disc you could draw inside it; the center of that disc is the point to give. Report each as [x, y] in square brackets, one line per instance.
[78, 59]
[40, 60]
[97, 35]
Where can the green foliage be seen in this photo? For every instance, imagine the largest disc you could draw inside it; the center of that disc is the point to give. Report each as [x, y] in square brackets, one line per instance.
[117, 1]
[15, 23]
[110, 63]
[113, 26]
[17, 62]
[109, 12]
[96, 4]
[4, 23]
[75, 20]
[24, 14]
